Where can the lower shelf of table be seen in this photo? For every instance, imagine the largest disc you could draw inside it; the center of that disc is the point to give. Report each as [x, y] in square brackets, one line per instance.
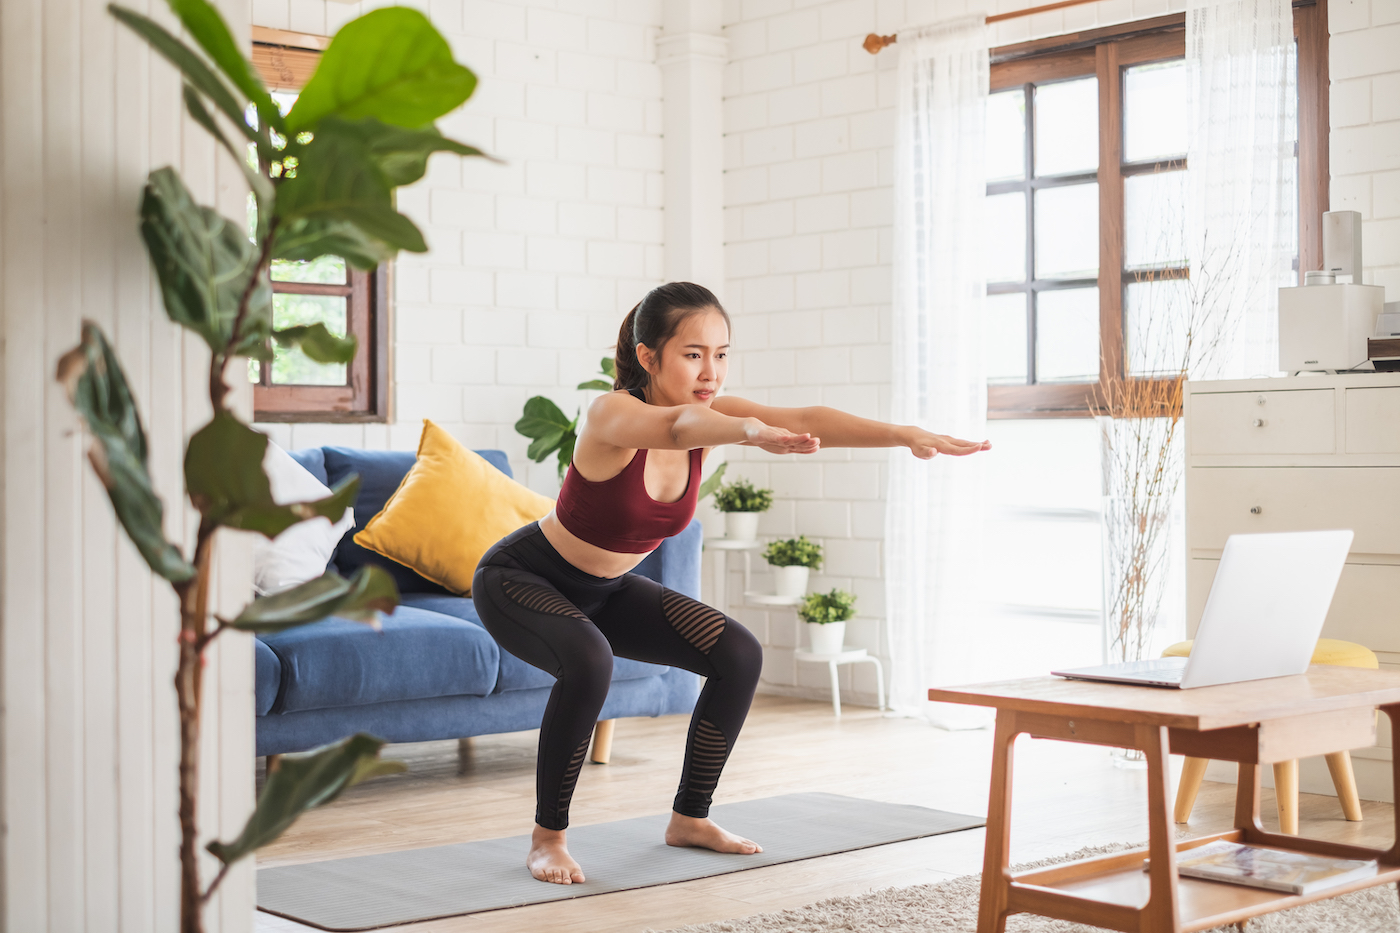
[1201, 904]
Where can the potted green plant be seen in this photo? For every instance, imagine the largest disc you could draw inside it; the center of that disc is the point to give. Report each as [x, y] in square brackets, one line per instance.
[826, 615]
[741, 504]
[792, 560]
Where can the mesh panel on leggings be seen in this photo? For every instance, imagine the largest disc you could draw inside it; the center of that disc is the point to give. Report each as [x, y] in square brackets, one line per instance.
[707, 758]
[566, 787]
[697, 623]
[542, 599]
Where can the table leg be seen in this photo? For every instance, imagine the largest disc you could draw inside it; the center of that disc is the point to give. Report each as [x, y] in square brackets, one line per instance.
[1286, 795]
[1393, 713]
[1247, 800]
[996, 858]
[835, 689]
[1160, 914]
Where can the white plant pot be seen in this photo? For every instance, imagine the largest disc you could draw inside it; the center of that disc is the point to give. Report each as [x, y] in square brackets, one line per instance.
[790, 581]
[741, 526]
[826, 638]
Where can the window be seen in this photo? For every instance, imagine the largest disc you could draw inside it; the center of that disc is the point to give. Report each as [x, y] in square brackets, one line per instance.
[1086, 194]
[327, 290]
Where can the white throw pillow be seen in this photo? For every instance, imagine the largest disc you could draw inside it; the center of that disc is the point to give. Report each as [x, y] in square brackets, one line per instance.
[301, 552]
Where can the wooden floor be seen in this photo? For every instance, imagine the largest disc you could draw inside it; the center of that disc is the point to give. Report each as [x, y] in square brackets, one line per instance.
[1066, 797]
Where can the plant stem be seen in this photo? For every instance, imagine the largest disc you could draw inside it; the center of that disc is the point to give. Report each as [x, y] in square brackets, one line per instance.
[218, 389]
[194, 604]
[213, 885]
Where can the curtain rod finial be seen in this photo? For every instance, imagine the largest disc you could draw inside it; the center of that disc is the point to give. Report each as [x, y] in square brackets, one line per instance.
[874, 43]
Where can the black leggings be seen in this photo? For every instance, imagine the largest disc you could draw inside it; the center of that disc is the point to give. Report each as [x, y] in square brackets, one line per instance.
[550, 614]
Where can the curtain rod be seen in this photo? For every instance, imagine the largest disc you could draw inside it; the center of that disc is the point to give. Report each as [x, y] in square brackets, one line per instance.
[874, 43]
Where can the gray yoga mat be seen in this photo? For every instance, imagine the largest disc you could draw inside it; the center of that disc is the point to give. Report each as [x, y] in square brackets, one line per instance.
[371, 891]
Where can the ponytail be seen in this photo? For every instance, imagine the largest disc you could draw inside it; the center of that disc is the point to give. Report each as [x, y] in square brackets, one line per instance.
[654, 321]
[629, 372]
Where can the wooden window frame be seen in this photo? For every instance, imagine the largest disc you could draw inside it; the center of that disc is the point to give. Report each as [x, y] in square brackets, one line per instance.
[1105, 53]
[285, 61]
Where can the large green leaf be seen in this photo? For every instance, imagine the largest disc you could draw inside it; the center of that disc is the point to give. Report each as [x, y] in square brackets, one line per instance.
[544, 445]
[313, 237]
[596, 384]
[188, 61]
[390, 64]
[338, 180]
[318, 343]
[369, 592]
[204, 262]
[226, 482]
[400, 152]
[541, 417]
[710, 485]
[212, 34]
[566, 451]
[98, 389]
[301, 782]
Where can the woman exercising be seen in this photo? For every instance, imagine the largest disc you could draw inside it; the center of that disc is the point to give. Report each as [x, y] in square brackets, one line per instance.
[559, 593]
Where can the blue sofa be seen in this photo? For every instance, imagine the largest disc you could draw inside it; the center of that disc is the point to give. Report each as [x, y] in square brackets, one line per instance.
[432, 671]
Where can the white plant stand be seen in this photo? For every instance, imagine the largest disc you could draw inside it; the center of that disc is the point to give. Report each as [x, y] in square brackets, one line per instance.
[848, 656]
[723, 546]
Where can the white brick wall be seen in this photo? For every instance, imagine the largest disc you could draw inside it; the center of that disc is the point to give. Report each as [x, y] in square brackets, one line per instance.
[533, 263]
[1365, 110]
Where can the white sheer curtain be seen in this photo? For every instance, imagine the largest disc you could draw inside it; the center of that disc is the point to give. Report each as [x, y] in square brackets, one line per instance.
[1242, 216]
[934, 508]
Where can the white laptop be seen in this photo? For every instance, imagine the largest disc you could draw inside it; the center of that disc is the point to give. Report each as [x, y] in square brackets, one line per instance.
[1262, 617]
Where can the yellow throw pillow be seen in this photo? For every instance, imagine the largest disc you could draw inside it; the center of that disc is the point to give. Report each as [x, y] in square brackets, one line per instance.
[448, 511]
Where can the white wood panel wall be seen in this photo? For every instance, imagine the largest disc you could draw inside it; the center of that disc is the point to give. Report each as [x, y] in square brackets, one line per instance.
[88, 739]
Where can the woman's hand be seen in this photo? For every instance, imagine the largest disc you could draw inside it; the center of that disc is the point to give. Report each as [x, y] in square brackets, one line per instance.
[778, 440]
[926, 445]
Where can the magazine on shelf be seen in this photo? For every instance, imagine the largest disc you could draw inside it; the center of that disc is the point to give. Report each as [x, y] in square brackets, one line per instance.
[1273, 869]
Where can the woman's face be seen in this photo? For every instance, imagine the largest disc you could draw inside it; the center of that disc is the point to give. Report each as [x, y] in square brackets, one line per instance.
[691, 365]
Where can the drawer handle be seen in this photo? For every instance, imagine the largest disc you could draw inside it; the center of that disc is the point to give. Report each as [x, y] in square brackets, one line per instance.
[1259, 422]
[1256, 510]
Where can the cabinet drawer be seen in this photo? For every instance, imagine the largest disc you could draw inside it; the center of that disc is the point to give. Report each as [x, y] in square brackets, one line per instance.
[1220, 501]
[1373, 420]
[1363, 609]
[1295, 422]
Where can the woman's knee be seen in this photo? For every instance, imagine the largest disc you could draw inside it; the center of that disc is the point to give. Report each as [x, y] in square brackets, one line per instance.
[737, 653]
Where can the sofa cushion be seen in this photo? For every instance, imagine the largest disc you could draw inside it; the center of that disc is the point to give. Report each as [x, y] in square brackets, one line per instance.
[515, 673]
[380, 472]
[448, 511]
[416, 654]
[313, 459]
[267, 678]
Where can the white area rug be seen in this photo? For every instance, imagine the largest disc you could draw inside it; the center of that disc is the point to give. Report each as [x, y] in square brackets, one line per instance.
[951, 907]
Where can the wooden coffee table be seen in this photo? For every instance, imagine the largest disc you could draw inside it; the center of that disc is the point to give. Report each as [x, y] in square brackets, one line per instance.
[1327, 709]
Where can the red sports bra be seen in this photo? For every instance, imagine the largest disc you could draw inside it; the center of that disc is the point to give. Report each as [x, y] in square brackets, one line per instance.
[618, 514]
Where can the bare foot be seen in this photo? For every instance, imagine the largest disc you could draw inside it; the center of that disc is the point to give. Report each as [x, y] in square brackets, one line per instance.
[704, 834]
[549, 858]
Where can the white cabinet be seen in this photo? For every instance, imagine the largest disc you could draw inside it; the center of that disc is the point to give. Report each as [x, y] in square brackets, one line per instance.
[1302, 454]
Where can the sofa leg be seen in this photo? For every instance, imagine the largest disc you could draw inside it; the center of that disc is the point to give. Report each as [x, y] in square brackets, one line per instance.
[602, 742]
[464, 754]
[272, 763]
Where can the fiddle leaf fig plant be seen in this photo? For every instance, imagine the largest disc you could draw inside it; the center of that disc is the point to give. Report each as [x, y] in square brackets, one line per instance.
[322, 179]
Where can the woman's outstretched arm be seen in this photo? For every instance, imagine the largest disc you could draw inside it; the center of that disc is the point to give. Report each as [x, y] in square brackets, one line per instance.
[836, 428]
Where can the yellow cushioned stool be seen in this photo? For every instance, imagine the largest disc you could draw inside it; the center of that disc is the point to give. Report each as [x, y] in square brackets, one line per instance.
[1328, 651]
